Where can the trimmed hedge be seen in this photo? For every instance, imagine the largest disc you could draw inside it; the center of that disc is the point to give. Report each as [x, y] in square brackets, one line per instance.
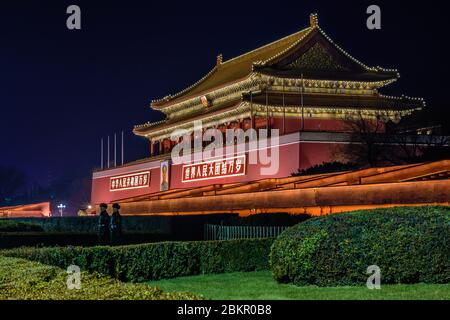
[32, 239]
[17, 226]
[26, 280]
[327, 167]
[410, 245]
[179, 228]
[155, 261]
[268, 219]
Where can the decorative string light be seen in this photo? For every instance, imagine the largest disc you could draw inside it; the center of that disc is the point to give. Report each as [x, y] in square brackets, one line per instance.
[255, 78]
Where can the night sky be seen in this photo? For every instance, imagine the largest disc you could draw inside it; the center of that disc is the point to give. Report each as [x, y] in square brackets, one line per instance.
[62, 90]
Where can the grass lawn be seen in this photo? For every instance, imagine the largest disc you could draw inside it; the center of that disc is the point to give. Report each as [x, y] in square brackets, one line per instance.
[261, 286]
[27, 280]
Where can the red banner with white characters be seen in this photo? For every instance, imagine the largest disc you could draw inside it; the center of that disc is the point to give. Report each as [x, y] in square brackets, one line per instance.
[214, 169]
[130, 181]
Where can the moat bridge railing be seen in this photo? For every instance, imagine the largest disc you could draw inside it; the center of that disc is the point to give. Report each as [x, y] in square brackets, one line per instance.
[219, 232]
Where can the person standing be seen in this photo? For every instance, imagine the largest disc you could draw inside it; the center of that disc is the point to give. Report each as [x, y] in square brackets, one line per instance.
[103, 225]
[116, 224]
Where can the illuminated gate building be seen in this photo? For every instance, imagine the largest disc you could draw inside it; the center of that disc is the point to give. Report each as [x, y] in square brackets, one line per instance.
[304, 85]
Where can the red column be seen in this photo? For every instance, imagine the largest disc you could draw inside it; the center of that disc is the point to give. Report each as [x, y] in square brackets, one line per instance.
[152, 149]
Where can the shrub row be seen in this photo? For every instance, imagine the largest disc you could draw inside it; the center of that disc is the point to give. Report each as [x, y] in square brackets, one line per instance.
[32, 239]
[155, 261]
[17, 226]
[267, 219]
[327, 167]
[181, 228]
[409, 245]
[26, 280]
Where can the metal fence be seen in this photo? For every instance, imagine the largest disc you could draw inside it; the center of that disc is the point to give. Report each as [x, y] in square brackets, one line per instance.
[217, 232]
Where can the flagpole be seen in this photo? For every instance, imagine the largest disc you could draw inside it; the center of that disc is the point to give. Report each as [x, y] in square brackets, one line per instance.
[284, 113]
[101, 154]
[267, 110]
[108, 154]
[252, 116]
[122, 147]
[302, 125]
[301, 97]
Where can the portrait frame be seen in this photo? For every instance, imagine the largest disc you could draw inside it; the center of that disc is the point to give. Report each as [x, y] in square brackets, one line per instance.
[164, 173]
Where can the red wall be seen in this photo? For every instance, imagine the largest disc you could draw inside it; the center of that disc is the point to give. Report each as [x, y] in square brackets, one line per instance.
[311, 153]
[293, 125]
[315, 125]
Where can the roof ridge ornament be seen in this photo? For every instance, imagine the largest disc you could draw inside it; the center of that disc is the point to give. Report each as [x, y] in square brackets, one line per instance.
[219, 60]
[314, 20]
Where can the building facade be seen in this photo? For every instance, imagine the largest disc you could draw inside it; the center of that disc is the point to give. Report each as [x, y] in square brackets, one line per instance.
[304, 86]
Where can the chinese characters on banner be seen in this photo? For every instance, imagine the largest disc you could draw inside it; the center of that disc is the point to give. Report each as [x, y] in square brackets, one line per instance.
[220, 168]
[130, 181]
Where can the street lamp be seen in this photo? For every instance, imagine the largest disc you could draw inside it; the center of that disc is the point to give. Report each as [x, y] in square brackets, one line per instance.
[61, 208]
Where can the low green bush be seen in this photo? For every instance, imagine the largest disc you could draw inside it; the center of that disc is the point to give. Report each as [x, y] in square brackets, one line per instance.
[26, 280]
[267, 219]
[155, 261]
[409, 245]
[326, 167]
[33, 239]
[17, 226]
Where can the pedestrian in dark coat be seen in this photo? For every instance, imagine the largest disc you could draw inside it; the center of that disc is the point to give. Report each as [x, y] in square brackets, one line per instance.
[103, 225]
[116, 225]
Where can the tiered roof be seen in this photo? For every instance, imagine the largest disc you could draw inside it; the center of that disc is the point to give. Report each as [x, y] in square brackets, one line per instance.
[230, 71]
[308, 55]
[269, 59]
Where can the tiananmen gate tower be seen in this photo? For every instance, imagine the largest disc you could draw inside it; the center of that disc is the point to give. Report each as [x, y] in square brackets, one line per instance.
[303, 85]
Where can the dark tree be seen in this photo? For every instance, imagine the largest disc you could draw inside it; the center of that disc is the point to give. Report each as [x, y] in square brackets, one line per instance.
[412, 148]
[379, 141]
[12, 182]
[365, 133]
